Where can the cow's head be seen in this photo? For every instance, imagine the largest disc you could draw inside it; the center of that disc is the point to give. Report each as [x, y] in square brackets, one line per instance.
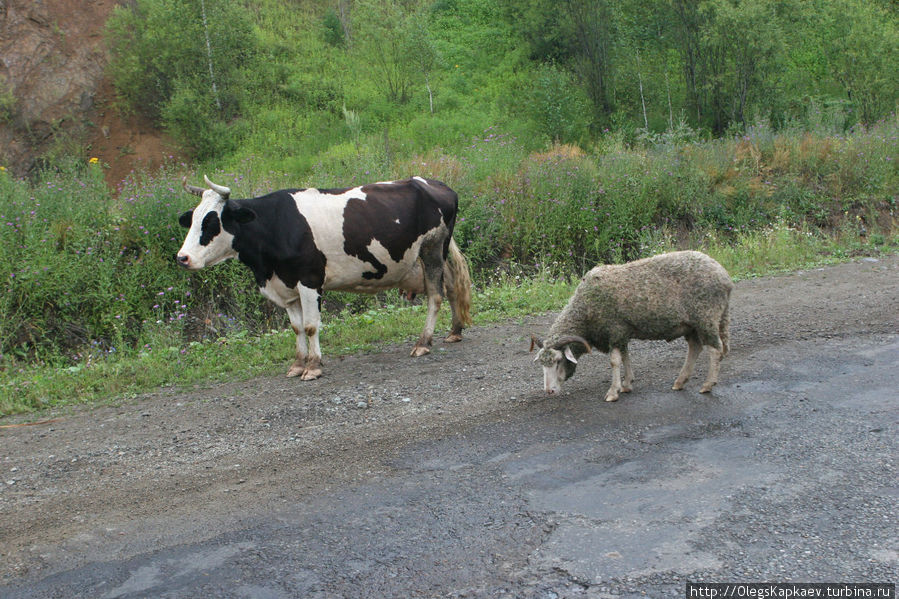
[213, 225]
[558, 360]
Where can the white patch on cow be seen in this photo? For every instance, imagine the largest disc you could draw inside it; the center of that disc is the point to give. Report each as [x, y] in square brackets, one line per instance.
[324, 213]
[278, 293]
[420, 179]
[219, 249]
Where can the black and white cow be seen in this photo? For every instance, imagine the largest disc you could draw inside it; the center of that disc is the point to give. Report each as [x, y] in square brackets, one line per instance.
[301, 242]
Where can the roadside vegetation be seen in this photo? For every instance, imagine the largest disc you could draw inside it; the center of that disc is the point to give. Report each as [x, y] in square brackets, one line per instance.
[564, 155]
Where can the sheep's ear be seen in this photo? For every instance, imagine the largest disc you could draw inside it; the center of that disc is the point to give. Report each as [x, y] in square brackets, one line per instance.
[569, 354]
[535, 343]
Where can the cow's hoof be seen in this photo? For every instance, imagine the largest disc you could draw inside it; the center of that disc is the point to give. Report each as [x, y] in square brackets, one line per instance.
[420, 350]
[295, 370]
[453, 338]
[310, 374]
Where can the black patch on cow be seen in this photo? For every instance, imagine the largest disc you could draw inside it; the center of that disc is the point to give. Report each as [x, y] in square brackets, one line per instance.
[210, 228]
[276, 240]
[186, 219]
[336, 191]
[396, 215]
[239, 212]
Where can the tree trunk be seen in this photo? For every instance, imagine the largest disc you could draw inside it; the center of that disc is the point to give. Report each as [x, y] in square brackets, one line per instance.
[215, 92]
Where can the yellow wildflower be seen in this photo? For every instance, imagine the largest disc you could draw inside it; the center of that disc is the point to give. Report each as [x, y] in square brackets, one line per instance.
[94, 160]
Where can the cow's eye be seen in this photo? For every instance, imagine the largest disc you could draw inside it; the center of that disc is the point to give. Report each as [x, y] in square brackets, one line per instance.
[211, 228]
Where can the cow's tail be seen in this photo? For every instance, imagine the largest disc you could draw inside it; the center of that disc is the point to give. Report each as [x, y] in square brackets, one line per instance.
[458, 288]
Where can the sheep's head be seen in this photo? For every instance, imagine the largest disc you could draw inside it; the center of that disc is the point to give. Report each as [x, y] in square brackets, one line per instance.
[558, 360]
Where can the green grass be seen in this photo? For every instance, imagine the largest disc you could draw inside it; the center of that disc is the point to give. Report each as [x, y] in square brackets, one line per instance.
[505, 296]
[93, 307]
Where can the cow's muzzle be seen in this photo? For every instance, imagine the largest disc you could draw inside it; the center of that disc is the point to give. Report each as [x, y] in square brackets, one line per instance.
[183, 260]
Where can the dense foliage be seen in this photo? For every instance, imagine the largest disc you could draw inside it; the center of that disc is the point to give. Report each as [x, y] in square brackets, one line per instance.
[298, 83]
[91, 274]
[575, 132]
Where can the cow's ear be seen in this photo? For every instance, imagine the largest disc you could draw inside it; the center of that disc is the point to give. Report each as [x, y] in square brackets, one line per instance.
[240, 214]
[186, 219]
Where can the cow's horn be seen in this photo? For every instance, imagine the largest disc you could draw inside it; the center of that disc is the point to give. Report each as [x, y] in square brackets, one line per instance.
[219, 189]
[572, 339]
[197, 191]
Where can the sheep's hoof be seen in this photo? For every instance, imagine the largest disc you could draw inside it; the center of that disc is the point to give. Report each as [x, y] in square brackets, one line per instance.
[420, 350]
[610, 397]
[453, 338]
[707, 387]
[678, 385]
[310, 374]
[627, 389]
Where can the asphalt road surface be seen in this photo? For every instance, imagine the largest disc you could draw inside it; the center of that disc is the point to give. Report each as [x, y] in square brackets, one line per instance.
[453, 475]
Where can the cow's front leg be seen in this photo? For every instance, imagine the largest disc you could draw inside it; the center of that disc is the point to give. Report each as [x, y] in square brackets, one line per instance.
[312, 323]
[295, 313]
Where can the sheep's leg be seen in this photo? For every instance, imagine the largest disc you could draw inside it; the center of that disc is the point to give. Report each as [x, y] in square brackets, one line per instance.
[627, 384]
[694, 347]
[615, 361]
[715, 357]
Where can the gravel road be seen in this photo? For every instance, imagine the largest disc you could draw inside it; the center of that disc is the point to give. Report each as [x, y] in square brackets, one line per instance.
[453, 475]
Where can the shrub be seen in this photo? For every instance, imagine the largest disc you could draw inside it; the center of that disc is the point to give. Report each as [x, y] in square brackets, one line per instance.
[89, 272]
[168, 55]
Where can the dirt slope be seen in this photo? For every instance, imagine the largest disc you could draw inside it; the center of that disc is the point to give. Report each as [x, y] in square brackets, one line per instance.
[52, 62]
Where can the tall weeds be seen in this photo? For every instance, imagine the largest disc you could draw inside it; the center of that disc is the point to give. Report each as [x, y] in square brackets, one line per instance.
[88, 275]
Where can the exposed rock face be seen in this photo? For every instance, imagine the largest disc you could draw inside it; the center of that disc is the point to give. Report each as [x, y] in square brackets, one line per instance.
[54, 98]
[51, 63]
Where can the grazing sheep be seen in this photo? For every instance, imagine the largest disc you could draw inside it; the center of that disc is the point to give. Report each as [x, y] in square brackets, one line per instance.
[680, 294]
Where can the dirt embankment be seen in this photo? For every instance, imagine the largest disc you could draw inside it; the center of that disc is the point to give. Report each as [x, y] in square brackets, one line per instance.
[54, 96]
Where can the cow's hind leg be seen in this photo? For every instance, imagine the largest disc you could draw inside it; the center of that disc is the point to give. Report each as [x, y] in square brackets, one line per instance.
[432, 260]
[312, 323]
[295, 313]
